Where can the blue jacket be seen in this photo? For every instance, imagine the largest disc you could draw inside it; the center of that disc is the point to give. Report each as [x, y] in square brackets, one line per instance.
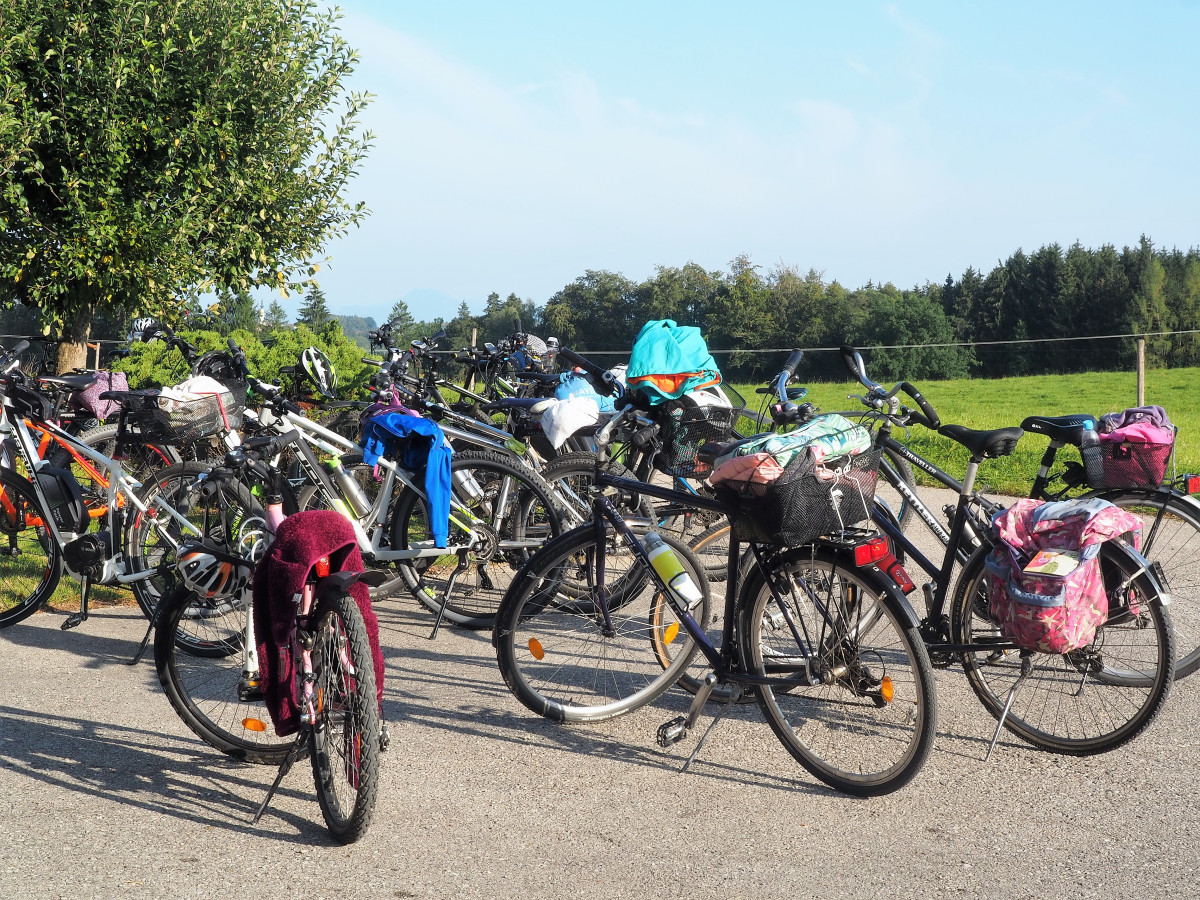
[416, 444]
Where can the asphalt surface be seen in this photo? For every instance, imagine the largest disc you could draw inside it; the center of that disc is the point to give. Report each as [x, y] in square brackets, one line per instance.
[104, 793]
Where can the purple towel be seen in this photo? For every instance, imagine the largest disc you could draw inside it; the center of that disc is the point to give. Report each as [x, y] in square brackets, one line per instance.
[302, 539]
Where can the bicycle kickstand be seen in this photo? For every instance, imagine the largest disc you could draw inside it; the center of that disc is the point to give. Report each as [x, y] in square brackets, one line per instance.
[462, 567]
[1026, 671]
[296, 752]
[80, 617]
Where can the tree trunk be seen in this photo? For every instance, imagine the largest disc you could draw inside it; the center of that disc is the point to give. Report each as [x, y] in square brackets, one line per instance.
[72, 352]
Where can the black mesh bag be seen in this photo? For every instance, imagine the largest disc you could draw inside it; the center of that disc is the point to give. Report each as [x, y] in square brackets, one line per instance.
[684, 427]
[806, 502]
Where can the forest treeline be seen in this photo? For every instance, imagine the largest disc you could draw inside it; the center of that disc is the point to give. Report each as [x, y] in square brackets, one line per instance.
[1051, 293]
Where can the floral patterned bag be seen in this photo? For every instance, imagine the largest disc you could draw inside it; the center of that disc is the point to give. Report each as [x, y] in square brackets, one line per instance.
[1047, 590]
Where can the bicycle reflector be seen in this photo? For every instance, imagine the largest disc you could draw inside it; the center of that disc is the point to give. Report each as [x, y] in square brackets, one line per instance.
[254, 725]
[1193, 484]
[322, 566]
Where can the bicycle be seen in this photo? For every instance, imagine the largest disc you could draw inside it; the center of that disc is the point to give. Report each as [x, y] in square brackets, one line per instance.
[1087, 701]
[826, 640]
[222, 694]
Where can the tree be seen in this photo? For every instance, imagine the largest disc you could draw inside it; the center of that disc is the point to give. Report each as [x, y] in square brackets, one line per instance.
[314, 312]
[403, 323]
[156, 149]
[276, 316]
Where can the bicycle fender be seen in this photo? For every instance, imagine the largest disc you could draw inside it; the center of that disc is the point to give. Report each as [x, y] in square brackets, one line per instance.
[1152, 570]
[897, 600]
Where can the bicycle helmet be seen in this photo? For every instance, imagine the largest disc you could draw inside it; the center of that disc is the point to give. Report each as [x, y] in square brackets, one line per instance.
[141, 327]
[319, 371]
[210, 577]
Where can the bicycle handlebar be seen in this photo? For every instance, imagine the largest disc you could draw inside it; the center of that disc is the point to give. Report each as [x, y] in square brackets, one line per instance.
[605, 377]
[854, 362]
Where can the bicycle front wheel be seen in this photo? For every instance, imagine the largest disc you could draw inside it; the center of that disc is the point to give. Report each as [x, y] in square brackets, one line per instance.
[346, 730]
[563, 658]
[1083, 702]
[211, 690]
[858, 708]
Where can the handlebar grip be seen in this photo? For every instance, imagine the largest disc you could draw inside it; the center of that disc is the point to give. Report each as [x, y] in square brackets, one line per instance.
[239, 357]
[931, 415]
[851, 358]
[373, 362]
[591, 368]
[19, 347]
[792, 361]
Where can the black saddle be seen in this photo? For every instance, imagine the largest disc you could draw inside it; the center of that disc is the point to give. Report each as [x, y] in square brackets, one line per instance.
[1063, 429]
[69, 382]
[984, 444]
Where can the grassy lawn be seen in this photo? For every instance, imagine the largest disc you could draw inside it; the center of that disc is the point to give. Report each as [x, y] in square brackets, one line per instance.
[983, 404]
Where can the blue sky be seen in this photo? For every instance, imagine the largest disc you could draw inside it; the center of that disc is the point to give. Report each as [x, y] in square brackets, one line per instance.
[520, 144]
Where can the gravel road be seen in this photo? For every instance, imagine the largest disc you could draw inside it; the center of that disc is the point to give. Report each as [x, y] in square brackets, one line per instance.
[104, 793]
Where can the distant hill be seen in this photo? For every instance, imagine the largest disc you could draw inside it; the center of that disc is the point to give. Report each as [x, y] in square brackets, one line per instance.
[356, 327]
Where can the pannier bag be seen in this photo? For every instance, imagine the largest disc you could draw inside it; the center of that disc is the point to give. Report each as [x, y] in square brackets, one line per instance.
[1135, 444]
[789, 489]
[1046, 588]
[89, 399]
[669, 360]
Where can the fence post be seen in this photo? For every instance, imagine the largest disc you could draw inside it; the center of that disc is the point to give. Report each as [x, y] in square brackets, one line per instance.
[1141, 372]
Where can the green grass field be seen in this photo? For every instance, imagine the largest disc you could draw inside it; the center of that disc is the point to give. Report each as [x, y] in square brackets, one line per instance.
[982, 403]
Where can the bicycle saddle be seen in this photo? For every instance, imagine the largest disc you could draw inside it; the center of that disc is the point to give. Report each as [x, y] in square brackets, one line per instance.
[1063, 429]
[984, 444]
[69, 382]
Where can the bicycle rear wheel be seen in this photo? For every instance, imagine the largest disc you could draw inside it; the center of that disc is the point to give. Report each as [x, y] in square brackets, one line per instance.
[209, 689]
[30, 558]
[346, 732]
[1083, 702]
[868, 724]
[554, 650]
[1171, 538]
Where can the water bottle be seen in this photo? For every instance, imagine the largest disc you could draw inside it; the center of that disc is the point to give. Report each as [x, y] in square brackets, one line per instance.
[1093, 455]
[670, 569]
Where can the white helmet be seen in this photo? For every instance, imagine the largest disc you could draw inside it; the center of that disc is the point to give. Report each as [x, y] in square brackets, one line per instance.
[137, 331]
[209, 576]
[319, 370]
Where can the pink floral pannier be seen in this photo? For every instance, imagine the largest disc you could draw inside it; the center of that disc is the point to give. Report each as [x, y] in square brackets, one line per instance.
[1052, 613]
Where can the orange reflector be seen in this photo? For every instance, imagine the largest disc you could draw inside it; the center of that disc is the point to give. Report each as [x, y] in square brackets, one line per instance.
[886, 689]
[671, 633]
[322, 566]
[254, 724]
[535, 647]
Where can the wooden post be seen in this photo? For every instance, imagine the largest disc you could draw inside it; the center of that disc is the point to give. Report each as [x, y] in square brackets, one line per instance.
[1141, 372]
[97, 349]
[471, 372]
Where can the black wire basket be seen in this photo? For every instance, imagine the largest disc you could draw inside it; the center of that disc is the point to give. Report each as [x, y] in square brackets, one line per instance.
[684, 429]
[806, 502]
[162, 420]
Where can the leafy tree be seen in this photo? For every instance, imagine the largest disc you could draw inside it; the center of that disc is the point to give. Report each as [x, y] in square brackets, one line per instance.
[314, 312]
[156, 148]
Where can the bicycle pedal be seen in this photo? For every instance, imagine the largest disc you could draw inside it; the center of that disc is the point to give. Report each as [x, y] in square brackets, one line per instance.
[385, 739]
[73, 620]
[672, 732]
[250, 690]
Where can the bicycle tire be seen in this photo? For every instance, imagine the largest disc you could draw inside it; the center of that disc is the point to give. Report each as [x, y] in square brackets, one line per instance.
[1173, 541]
[230, 517]
[571, 476]
[1080, 703]
[551, 644]
[30, 558]
[869, 726]
[528, 518]
[346, 730]
[203, 688]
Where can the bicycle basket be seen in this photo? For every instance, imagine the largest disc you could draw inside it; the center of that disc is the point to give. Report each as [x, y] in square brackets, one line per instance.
[1134, 464]
[685, 426]
[163, 420]
[805, 502]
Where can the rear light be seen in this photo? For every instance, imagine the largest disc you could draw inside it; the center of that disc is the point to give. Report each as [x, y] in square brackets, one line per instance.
[872, 551]
[1193, 484]
[322, 566]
